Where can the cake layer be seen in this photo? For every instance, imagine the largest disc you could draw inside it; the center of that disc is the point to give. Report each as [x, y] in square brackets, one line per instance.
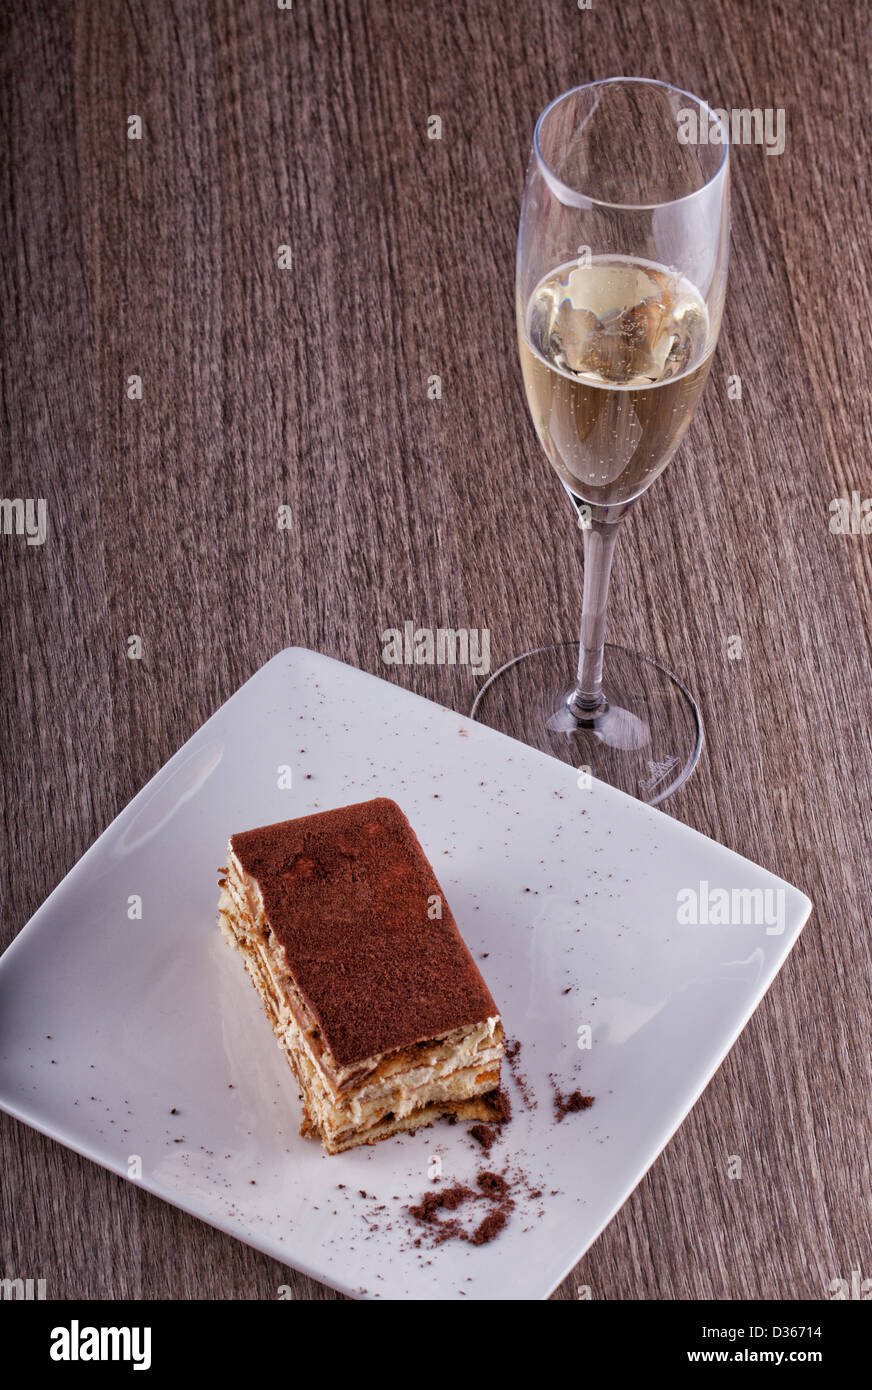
[478, 1109]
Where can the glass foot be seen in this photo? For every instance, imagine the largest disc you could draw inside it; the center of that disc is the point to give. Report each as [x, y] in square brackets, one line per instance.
[647, 740]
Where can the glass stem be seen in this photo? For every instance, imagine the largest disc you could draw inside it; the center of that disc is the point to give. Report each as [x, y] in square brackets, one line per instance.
[599, 545]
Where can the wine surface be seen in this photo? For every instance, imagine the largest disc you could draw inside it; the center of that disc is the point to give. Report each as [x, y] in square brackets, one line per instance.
[615, 353]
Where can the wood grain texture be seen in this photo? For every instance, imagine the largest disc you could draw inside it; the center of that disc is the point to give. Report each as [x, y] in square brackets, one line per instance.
[307, 387]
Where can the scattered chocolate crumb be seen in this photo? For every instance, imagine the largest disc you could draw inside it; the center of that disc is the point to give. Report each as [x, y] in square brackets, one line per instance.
[512, 1050]
[174, 1111]
[493, 1185]
[455, 1196]
[432, 1202]
[448, 1230]
[502, 1106]
[494, 1188]
[491, 1226]
[486, 1135]
[570, 1102]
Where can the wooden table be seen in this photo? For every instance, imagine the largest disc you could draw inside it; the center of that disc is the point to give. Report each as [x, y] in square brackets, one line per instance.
[308, 387]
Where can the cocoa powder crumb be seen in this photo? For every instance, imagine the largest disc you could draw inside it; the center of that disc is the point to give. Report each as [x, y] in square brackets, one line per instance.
[493, 1185]
[570, 1103]
[432, 1202]
[502, 1106]
[490, 1227]
[512, 1051]
[455, 1196]
[486, 1135]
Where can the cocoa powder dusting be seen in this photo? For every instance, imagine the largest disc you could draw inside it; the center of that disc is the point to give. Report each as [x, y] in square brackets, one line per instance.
[512, 1054]
[485, 1135]
[492, 1185]
[570, 1102]
[502, 1106]
[494, 1189]
[490, 1227]
[426, 1210]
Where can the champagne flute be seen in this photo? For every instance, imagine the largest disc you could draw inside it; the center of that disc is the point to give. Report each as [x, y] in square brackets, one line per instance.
[621, 274]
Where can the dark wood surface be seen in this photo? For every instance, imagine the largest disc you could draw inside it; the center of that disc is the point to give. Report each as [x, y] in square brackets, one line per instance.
[308, 387]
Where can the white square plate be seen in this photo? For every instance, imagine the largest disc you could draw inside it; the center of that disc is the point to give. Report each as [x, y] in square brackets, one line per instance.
[109, 1022]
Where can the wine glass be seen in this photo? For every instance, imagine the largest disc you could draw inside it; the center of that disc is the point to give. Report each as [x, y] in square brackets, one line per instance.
[621, 273]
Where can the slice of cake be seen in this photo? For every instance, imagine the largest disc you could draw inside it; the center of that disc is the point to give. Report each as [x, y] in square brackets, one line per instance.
[371, 991]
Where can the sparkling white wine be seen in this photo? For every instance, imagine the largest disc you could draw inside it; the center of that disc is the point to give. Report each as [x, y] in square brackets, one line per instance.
[615, 353]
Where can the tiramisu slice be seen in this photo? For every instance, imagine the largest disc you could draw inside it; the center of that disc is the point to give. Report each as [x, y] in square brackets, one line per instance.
[385, 1019]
